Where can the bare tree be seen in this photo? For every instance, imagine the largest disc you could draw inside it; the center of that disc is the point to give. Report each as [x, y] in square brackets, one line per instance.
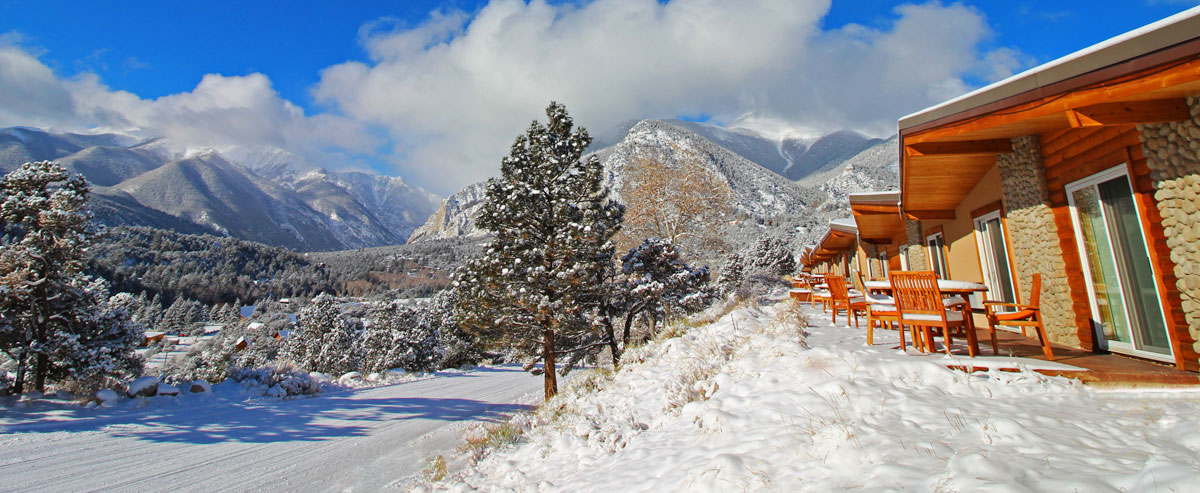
[677, 200]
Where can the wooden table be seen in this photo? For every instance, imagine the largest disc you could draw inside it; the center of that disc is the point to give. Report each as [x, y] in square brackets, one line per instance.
[944, 285]
[948, 288]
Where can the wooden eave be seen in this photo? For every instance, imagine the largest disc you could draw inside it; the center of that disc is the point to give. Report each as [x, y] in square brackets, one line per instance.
[944, 159]
[877, 223]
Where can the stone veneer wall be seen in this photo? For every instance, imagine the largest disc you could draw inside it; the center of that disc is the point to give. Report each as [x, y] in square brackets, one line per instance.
[1173, 155]
[917, 258]
[1033, 236]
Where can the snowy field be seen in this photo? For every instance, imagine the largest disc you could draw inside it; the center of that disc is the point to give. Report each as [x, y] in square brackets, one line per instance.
[752, 403]
[364, 440]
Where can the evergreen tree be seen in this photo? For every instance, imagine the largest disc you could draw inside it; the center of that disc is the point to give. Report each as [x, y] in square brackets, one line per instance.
[52, 317]
[325, 339]
[458, 346]
[398, 337]
[658, 283]
[553, 226]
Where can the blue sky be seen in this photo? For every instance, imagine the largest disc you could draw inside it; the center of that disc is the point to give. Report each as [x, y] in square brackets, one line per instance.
[360, 71]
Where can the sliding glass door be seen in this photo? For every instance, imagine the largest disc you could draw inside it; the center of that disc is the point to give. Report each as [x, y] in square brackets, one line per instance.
[993, 257]
[1126, 308]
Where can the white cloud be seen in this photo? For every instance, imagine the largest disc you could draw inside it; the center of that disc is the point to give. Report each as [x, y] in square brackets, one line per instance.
[220, 112]
[452, 92]
[456, 90]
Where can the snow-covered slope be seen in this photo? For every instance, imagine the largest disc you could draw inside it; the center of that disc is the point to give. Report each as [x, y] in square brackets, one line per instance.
[756, 402]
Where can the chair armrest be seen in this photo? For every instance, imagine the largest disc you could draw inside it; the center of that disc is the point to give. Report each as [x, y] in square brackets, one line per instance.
[988, 306]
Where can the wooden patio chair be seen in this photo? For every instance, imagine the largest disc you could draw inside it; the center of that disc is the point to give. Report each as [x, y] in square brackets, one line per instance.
[840, 298]
[881, 309]
[801, 289]
[820, 295]
[921, 305]
[1019, 315]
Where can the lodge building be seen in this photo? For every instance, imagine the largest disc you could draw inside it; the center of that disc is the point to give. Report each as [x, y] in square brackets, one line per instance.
[1085, 170]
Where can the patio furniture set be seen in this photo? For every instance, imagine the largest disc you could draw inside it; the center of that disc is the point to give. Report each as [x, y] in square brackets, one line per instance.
[923, 304]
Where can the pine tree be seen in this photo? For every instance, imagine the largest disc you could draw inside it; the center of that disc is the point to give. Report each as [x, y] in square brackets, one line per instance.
[658, 283]
[325, 339]
[52, 318]
[398, 337]
[553, 225]
[458, 346]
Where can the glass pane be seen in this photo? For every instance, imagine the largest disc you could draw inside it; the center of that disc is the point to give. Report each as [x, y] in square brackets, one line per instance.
[1003, 274]
[1137, 276]
[1101, 265]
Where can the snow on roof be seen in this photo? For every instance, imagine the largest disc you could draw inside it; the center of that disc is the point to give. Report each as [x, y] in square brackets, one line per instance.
[889, 196]
[256, 325]
[844, 224]
[1173, 30]
[154, 333]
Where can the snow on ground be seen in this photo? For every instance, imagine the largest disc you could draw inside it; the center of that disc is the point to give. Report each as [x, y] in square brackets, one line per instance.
[752, 403]
[365, 439]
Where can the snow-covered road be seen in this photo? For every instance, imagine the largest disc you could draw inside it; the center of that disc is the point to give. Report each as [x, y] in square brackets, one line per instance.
[364, 440]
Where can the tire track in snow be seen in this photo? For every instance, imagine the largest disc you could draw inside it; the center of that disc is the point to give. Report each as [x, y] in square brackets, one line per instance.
[364, 439]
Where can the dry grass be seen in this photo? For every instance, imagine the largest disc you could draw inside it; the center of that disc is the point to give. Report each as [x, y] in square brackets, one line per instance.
[488, 437]
[435, 469]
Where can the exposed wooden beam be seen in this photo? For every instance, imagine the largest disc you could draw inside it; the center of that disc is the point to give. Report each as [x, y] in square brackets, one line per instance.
[874, 209]
[960, 147]
[1076, 119]
[1151, 111]
[877, 241]
[942, 214]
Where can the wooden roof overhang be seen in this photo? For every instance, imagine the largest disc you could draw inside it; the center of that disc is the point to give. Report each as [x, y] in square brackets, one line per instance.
[1141, 77]
[839, 239]
[877, 216]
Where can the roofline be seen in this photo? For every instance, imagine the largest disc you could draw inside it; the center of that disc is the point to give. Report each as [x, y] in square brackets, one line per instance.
[1172, 31]
[844, 227]
[888, 197]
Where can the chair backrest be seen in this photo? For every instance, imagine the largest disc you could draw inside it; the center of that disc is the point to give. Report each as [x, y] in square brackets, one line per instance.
[1036, 294]
[858, 283]
[837, 288]
[917, 292]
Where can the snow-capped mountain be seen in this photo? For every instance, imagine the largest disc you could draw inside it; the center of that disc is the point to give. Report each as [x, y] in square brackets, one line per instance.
[455, 218]
[758, 192]
[753, 165]
[791, 157]
[260, 196]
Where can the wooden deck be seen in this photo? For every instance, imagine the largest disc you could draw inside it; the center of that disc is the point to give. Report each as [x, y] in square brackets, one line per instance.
[1103, 369]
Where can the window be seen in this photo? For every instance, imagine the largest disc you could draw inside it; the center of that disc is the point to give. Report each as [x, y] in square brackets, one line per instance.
[937, 255]
[883, 264]
[904, 257]
[993, 257]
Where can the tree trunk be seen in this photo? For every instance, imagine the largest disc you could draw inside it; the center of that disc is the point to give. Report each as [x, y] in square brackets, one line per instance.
[629, 323]
[39, 374]
[612, 341]
[551, 372]
[22, 362]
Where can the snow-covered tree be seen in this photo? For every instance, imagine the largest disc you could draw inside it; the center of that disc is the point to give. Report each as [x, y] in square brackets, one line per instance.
[324, 339]
[53, 318]
[398, 337]
[657, 283]
[733, 274]
[773, 256]
[553, 226]
[459, 347]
